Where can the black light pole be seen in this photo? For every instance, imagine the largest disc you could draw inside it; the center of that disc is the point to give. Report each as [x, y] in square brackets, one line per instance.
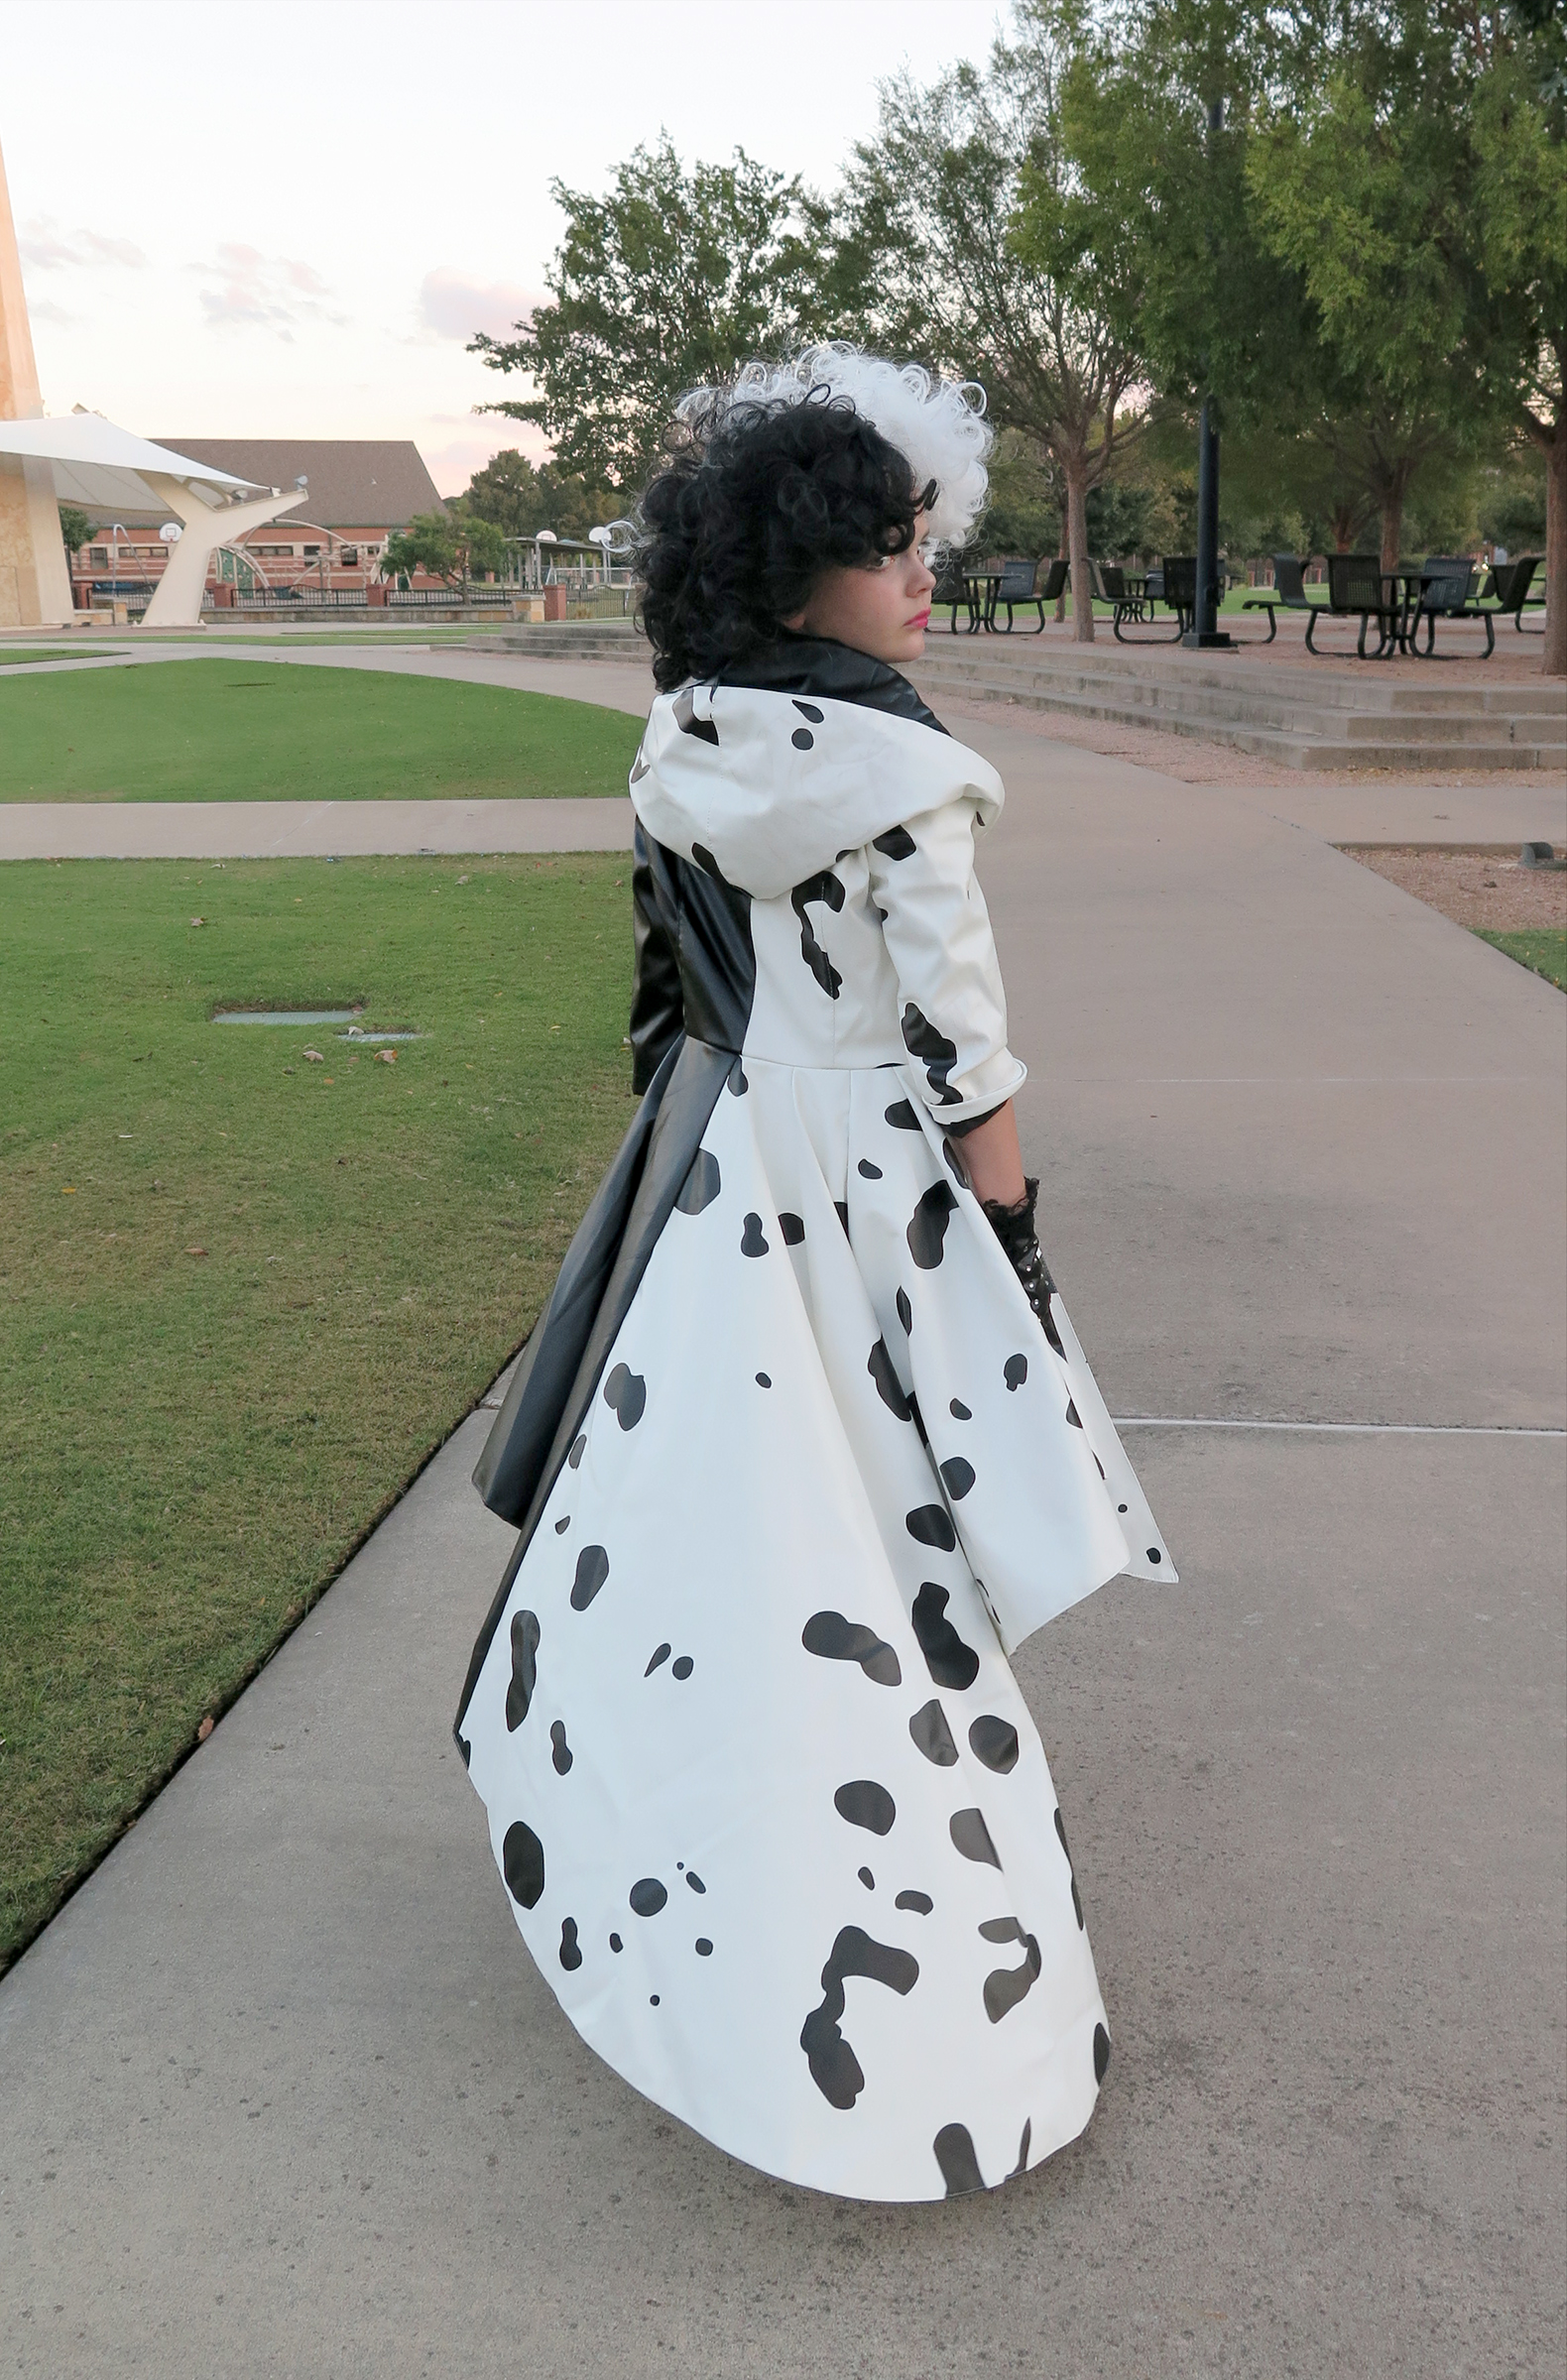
[1205, 633]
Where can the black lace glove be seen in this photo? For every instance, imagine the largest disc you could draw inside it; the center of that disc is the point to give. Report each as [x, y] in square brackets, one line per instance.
[1014, 1227]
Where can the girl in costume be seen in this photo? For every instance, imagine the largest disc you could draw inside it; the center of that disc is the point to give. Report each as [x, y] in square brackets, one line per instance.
[803, 1445]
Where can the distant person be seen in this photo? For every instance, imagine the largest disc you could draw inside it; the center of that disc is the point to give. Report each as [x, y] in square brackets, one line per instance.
[803, 1440]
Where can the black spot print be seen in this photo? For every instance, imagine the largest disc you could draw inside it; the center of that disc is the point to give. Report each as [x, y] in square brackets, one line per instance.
[562, 1525]
[523, 1864]
[762, 1380]
[900, 1116]
[1014, 1372]
[959, 1411]
[1051, 1330]
[865, 1804]
[685, 719]
[954, 1164]
[1101, 2053]
[920, 1903]
[867, 1879]
[957, 1477]
[929, 1225]
[465, 1751]
[524, 1672]
[704, 1949]
[1077, 1898]
[833, 1639]
[897, 843]
[752, 1244]
[593, 1571]
[1005, 1986]
[825, 888]
[918, 1420]
[694, 1880]
[701, 1185]
[922, 1040]
[575, 1456]
[1120, 1508]
[625, 1394]
[809, 710]
[737, 1082]
[662, 1654]
[843, 1215]
[868, 1171]
[932, 1736]
[570, 1954]
[880, 1367]
[653, 1999]
[995, 1742]
[793, 1229]
[803, 738]
[1154, 1553]
[971, 1836]
[1021, 2166]
[949, 1660]
[707, 864]
[931, 1525]
[955, 2156]
[683, 1667]
[1073, 1415]
[614, 1943]
[834, 2068]
[648, 1896]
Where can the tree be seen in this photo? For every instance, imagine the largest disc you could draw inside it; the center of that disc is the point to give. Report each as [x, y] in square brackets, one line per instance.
[950, 239]
[1361, 178]
[521, 497]
[672, 280]
[449, 546]
[1520, 225]
[76, 526]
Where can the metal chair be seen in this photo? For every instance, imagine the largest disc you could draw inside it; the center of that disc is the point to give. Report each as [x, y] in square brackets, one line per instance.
[1020, 586]
[1357, 589]
[1447, 583]
[1510, 585]
[1287, 593]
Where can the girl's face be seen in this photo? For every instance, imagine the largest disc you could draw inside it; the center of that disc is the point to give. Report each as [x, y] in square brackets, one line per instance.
[880, 608]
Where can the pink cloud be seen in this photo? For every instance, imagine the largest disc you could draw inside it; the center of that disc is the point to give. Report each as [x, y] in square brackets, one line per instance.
[454, 304]
[253, 290]
[51, 250]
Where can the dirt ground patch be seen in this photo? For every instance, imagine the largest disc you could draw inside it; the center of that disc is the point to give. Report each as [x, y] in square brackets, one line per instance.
[1483, 888]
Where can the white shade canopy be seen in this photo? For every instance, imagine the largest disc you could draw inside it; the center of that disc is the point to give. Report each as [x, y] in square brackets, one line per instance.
[99, 466]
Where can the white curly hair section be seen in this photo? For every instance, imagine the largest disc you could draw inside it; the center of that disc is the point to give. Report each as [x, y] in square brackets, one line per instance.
[939, 424]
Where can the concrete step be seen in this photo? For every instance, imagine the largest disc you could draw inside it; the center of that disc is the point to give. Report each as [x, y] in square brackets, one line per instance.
[1192, 681]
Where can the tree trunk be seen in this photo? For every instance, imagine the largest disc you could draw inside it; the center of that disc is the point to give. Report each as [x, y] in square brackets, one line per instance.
[1392, 522]
[1077, 549]
[1063, 555]
[1554, 660]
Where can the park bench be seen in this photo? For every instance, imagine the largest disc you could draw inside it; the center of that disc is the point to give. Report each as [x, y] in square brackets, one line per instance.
[1509, 588]
[1287, 593]
[1358, 589]
[1444, 590]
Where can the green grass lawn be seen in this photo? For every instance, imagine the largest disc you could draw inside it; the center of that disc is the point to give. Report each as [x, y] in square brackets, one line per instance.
[11, 654]
[233, 730]
[1543, 951]
[244, 1296]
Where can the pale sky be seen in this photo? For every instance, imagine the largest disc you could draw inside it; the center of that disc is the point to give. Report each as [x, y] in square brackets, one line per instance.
[284, 217]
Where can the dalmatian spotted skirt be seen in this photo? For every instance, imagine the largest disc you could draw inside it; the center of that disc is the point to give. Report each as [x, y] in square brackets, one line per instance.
[772, 1814]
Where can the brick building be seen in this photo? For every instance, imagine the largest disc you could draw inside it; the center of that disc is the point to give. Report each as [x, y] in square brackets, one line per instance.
[360, 491]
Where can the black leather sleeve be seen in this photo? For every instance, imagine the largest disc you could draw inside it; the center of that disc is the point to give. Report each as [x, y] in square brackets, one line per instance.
[657, 1013]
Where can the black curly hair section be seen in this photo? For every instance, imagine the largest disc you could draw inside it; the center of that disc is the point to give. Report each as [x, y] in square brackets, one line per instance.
[750, 512]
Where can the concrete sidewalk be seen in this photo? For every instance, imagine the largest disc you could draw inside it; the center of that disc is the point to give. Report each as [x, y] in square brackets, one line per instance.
[271, 830]
[285, 2095]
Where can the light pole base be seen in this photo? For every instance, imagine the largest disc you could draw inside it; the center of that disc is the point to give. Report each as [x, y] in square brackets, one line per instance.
[1197, 640]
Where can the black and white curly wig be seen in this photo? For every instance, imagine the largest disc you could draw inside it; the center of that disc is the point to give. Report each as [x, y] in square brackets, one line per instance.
[790, 470]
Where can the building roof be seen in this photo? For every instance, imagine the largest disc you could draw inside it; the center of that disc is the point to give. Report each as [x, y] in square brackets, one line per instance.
[355, 483]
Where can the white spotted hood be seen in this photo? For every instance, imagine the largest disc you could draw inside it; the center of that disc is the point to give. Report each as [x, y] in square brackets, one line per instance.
[770, 788]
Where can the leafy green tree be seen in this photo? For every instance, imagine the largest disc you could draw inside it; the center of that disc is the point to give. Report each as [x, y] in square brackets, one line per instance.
[936, 260]
[76, 526]
[672, 280]
[521, 497]
[447, 546]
